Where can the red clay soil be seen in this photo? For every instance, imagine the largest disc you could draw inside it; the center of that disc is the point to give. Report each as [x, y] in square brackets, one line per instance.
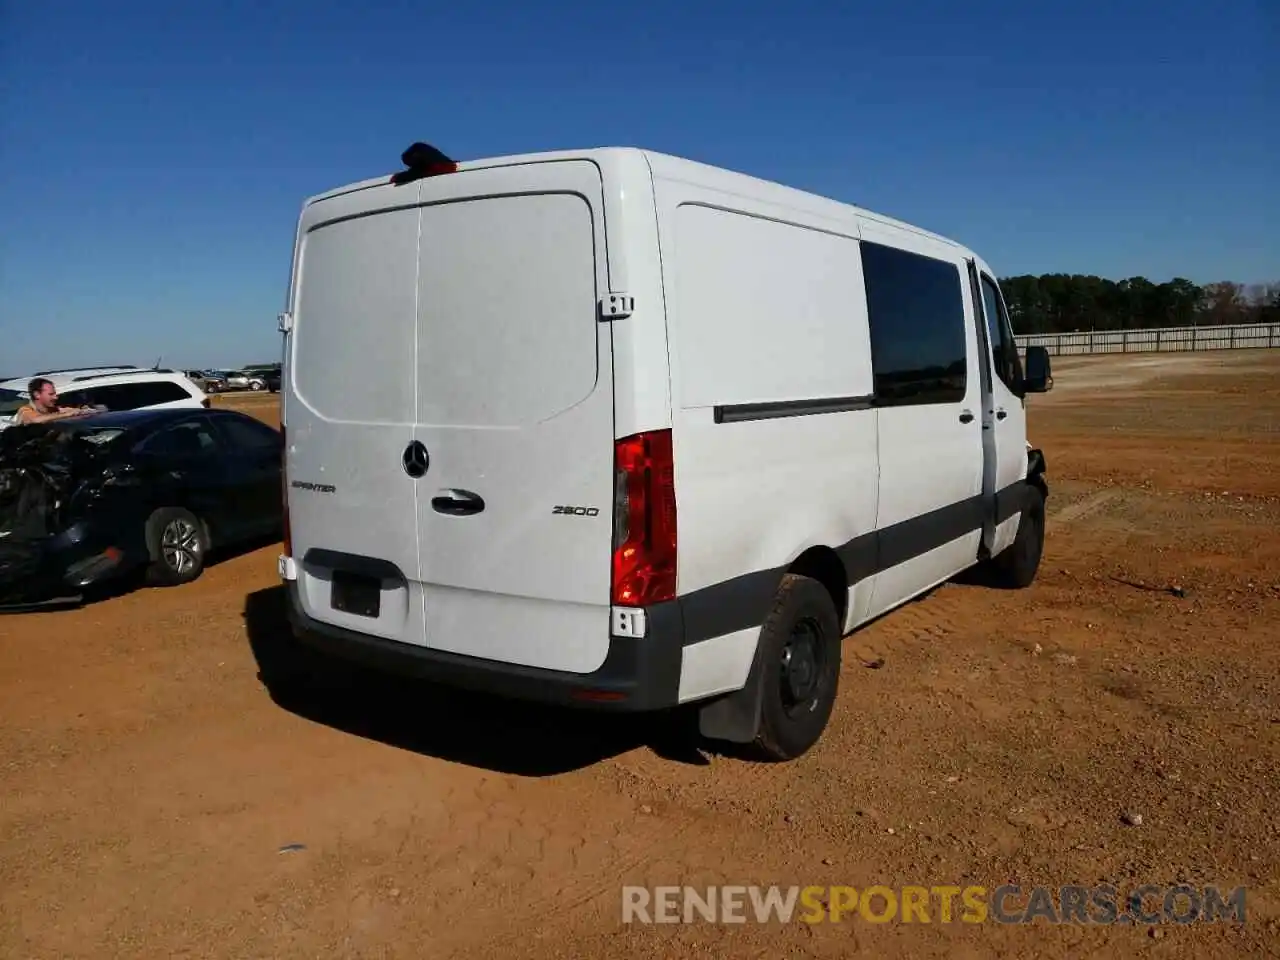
[159, 801]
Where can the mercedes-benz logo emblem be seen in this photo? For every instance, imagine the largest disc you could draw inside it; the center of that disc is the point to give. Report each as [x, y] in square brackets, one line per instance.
[415, 459]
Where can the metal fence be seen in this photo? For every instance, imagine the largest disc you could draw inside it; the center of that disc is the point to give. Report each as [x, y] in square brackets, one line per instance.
[1237, 337]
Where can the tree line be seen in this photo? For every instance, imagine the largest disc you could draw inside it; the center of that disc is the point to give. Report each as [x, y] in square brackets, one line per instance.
[1061, 303]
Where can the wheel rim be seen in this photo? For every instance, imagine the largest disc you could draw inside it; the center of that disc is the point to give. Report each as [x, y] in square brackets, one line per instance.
[180, 544]
[802, 662]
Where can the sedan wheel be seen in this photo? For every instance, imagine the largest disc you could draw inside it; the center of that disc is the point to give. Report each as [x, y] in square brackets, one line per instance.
[180, 546]
[177, 543]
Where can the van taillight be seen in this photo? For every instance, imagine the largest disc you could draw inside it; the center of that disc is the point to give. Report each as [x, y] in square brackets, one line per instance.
[644, 524]
[286, 535]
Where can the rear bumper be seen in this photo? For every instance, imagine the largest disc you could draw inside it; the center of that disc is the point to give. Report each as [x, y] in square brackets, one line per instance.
[637, 675]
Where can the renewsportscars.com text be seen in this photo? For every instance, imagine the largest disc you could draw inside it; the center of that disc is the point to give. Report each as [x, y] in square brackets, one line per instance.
[1008, 904]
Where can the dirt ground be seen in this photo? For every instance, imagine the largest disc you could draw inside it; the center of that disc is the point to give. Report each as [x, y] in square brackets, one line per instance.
[158, 800]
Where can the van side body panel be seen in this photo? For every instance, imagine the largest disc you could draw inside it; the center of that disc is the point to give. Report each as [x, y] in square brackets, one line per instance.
[767, 468]
[773, 430]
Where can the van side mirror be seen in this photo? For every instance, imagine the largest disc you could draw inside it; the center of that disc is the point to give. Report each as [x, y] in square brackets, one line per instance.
[1038, 378]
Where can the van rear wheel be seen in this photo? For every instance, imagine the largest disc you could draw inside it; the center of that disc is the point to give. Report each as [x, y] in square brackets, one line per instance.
[800, 669]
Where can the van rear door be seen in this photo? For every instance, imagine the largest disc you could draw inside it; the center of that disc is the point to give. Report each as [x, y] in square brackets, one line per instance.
[349, 408]
[513, 459]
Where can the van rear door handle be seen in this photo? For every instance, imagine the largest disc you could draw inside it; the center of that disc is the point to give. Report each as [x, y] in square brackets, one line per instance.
[966, 417]
[1000, 414]
[457, 503]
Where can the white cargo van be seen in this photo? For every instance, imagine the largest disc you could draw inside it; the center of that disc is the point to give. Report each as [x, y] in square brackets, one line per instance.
[616, 429]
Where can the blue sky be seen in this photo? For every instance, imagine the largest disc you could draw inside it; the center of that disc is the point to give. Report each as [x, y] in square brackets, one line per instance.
[153, 156]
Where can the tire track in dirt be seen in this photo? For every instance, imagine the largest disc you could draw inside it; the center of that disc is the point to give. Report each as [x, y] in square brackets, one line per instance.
[1083, 508]
[928, 619]
[572, 868]
[586, 869]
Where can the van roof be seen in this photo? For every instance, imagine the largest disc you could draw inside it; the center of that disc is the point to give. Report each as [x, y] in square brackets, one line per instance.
[669, 165]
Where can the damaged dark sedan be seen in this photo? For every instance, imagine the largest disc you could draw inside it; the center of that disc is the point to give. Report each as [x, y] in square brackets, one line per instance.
[87, 502]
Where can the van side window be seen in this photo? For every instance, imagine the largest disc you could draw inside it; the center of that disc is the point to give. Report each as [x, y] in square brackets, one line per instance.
[915, 305]
[1003, 347]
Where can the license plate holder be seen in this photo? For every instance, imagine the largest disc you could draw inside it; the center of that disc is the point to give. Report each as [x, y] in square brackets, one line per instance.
[355, 593]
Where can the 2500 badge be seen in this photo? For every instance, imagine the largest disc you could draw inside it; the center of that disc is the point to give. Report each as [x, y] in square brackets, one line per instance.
[577, 511]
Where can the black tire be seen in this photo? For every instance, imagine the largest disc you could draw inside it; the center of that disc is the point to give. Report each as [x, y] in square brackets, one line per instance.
[177, 543]
[1015, 567]
[799, 669]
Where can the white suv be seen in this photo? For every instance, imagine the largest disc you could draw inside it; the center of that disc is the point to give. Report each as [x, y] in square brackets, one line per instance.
[115, 388]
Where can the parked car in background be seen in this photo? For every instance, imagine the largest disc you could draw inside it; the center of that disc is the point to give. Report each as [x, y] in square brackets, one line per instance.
[270, 374]
[86, 501]
[116, 388]
[220, 380]
[210, 381]
[13, 390]
[245, 380]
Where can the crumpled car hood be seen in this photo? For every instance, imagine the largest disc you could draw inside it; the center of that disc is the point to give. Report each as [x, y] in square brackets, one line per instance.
[43, 474]
[40, 467]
